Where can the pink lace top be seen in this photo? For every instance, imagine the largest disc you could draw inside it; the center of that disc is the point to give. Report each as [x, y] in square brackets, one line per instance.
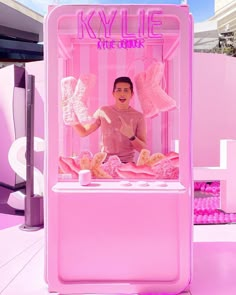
[112, 141]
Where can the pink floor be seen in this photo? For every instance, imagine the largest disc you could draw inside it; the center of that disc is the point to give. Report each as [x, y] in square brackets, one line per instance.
[7, 220]
[22, 264]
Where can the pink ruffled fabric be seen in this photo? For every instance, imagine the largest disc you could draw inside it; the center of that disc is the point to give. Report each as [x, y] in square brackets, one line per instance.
[71, 162]
[66, 168]
[174, 158]
[166, 168]
[130, 170]
[153, 99]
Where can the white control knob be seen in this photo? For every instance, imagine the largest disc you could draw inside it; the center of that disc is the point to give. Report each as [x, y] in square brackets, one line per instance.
[125, 183]
[162, 184]
[142, 183]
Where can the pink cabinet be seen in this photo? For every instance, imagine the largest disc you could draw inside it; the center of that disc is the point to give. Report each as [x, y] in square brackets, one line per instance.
[118, 235]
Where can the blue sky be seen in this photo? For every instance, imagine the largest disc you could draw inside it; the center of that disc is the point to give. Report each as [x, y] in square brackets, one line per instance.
[201, 9]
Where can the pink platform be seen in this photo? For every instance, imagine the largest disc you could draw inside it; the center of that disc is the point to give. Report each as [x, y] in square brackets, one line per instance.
[108, 237]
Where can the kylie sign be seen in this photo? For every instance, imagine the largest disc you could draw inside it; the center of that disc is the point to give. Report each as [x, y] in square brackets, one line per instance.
[144, 24]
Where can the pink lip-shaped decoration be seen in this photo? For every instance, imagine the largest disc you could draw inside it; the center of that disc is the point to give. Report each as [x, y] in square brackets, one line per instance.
[130, 170]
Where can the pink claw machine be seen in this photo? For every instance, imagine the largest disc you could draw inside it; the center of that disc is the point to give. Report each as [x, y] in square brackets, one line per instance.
[130, 233]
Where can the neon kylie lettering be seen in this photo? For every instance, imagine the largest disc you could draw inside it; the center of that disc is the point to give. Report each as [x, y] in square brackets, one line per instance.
[124, 25]
[152, 24]
[107, 23]
[145, 24]
[85, 22]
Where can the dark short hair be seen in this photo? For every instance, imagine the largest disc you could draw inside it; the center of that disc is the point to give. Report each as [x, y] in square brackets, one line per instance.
[123, 80]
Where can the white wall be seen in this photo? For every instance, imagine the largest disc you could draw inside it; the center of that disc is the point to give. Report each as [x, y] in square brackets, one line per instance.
[221, 3]
[214, 105]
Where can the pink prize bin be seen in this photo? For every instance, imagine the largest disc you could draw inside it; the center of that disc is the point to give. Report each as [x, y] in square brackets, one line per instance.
[118, 235]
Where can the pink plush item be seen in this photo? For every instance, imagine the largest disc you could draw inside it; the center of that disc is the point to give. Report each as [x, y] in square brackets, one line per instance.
[165, 170]
[85, 153]
[65, 168]
[206, 210]
[205, 187]
[145, 158]
[81, 95]
[153, 99]
[68, 85]
[111, 165]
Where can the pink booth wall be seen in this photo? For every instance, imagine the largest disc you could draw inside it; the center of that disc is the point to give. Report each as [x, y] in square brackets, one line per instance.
[214, 106]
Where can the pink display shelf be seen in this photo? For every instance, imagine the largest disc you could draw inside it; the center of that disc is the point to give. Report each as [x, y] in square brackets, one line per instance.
[129, 235]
